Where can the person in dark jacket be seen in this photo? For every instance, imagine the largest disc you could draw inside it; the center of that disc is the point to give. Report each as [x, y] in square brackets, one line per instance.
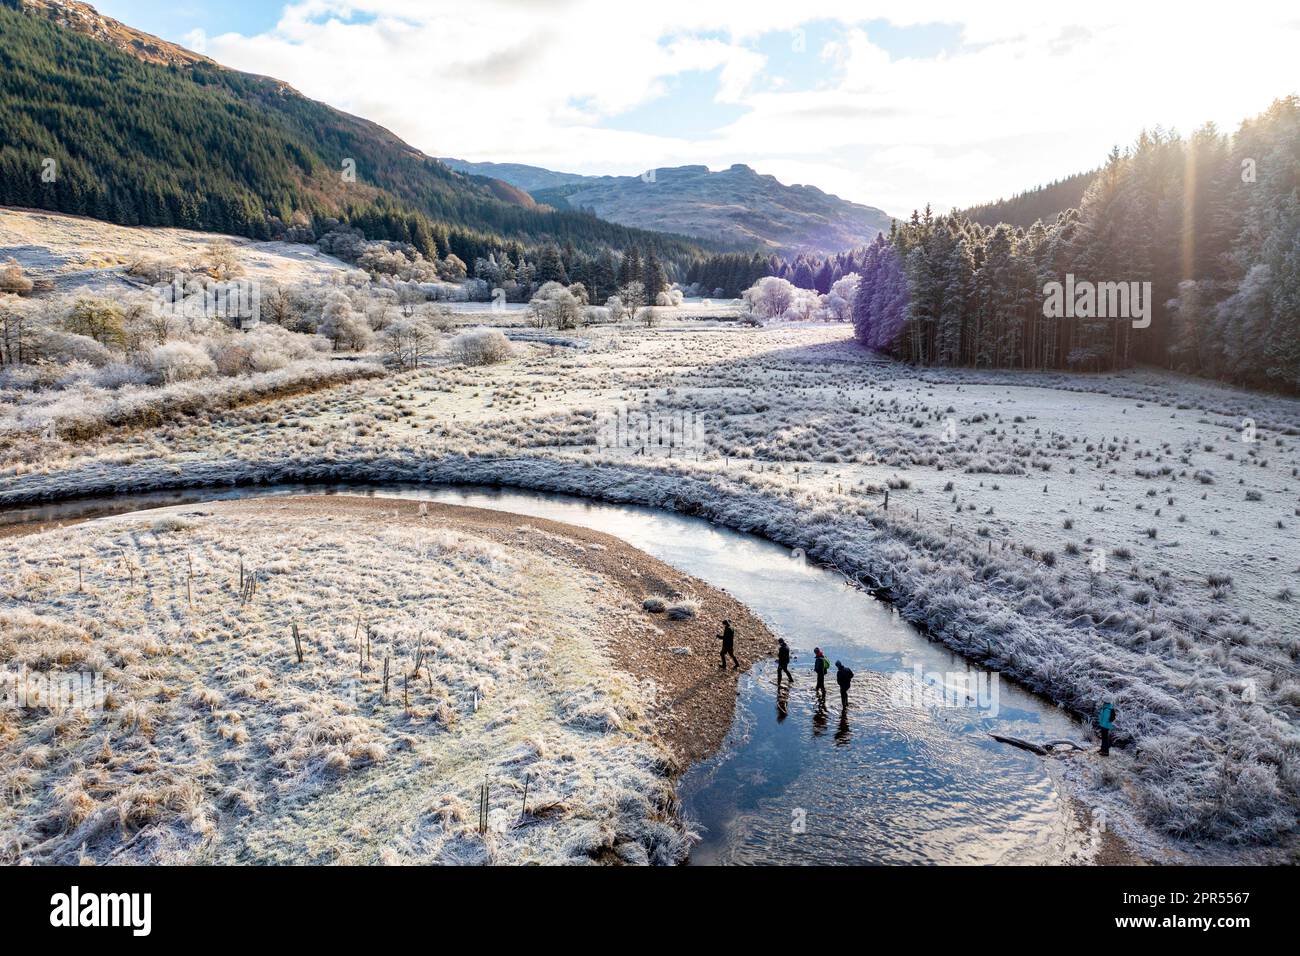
[820, 666]
[1105, 721]
[783, 660]
[843, 677]
[728, 639]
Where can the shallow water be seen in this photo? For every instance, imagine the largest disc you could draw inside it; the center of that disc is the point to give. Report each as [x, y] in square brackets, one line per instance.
[899, 777]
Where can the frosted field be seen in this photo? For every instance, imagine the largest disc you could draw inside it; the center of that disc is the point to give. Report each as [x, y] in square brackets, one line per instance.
[218, 745]
[1003, 490]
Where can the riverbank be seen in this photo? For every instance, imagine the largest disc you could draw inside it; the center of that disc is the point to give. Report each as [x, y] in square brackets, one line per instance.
[694, 698]
[507, 650]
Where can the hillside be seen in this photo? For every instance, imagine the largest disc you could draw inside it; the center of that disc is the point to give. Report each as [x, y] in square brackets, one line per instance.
[1044, 202]
[75, 254]
[737, 206]
[146, 133]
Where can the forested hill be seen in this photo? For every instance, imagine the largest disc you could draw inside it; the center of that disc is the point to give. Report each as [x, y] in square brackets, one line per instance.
[142, 132]
[1044, 202]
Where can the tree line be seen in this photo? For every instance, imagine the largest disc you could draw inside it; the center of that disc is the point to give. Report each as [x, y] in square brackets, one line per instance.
[1210, 221]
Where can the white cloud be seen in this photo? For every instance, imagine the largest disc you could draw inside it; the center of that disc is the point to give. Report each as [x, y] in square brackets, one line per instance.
[1031, 95]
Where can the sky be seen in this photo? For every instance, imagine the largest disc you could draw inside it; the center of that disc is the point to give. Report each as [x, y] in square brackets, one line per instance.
[893, 103]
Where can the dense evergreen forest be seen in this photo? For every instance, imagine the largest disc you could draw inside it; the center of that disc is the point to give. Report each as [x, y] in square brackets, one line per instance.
[202, 147]
[1211, 221]
[1026, 208]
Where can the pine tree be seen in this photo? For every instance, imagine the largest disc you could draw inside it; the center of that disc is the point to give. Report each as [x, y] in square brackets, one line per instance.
[654, 278]
[550, 265]
[629, 270]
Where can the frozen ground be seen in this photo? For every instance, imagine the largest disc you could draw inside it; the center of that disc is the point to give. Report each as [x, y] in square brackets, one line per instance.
[518, 314]
[1094, 537]
[221, 744]
[86, 255]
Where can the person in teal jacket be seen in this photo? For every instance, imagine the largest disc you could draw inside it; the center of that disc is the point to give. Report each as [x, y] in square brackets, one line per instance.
[820, 666]
[1105, 721]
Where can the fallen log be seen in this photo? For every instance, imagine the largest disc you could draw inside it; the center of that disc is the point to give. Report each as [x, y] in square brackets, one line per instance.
[1023, 744]
[1043, 749]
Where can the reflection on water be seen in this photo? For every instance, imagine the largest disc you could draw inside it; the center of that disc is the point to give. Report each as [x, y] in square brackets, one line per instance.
[892, 779]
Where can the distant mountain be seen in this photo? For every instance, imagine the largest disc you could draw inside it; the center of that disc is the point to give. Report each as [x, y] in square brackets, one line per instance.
[144, 132]
[1043, 202]
[737, 206]
[528, 178]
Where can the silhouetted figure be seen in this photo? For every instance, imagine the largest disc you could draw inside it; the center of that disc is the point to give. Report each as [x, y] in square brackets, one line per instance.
[843, 677]
[782, 702]
[1105, 721]
[783, 660]
[820, 666]
[728, 638]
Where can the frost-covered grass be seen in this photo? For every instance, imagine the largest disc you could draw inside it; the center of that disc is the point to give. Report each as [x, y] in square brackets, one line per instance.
[217, 745]
[1018, 526]
[86, 410]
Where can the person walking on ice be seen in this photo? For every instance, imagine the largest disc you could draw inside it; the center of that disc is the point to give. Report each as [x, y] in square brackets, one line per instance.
[1105, 721]
[843, 677]
[728, 638]
[783, 660]
[820, 666]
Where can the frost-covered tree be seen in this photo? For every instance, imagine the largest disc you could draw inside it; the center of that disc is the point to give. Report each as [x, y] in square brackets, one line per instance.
[181, 362]
[452, 269]
[99, 319]
[408, 340]
[632, 296]
[554, 304]
[769, 297]
[880, 308]
[343, 325]
[839, 300]
[13, 281]
[221, 261]
[480, 346]
[615, 308]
